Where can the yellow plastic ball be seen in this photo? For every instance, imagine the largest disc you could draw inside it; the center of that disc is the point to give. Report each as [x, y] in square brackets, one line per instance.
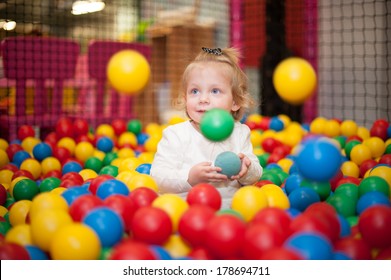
[3, 211]
[128, 72]
[83, 151]
[255, 118]
[4, 160]
[360, 153]
[126, 152]
[363, 132]
[331, 128]
[176, 246]
[294, 80]
[32, 165]
[126, 177]
[129, 164]
[19, 212]
[127, 138]
[173, 205]
[47, 201]
[350, 168]
[29, 143]
[6, 176]
[285, 164]
[256, 138]
[88, 174]
[376, 145]
[45, 224]
[146, 157]
[142, 180]
[349, 128]
[248, 200]
[19, 234]
[151, 143]
[175, 119]
[105, 130]
[67, 143]
[50, 164]
[317, 125]
[3, 144]
[153, 129]
[275, 196]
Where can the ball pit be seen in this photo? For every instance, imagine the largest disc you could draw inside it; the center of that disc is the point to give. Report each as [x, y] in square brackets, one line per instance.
[94, 187]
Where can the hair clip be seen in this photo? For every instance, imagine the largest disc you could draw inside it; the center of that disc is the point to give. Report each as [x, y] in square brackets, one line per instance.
[213, 51]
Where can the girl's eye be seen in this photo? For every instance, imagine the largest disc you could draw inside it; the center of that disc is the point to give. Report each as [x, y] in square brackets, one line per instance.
[215, 91]
[194, 91]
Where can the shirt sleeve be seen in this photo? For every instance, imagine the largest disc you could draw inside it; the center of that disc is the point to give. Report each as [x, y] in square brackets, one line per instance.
[167, 166]
[255, 169]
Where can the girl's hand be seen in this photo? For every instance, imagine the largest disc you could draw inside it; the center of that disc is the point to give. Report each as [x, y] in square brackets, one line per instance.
[204, 172]
[246, 162]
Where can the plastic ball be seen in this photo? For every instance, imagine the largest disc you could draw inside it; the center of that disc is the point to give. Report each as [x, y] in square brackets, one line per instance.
[151, 225]
[217, 124]
[47, 201]
[303, 197]
[72, 193]
[370, 199]
[128, 72]
[82, 205]
[19, 157]
[177, 247]
[25, 131]
[354, 248]
[383, 172]
[276, 124]
[373, 183]
[45, 224]
[143, 196]
[50, 164]
[375, 226]
[132, 250]
[93, 163]
[134, 126]
[110, 187]
[105, 144]
[41, 151]
[19, 211]
[12, 251]
[224, 236]
[319, 160]
[142, 180]
[248, 200]
[75, 242]
[349, 128]
[173, 205]
[144, 168]
[229, 163]
[29, 143]
[350, 168]
[33, 166]
[275, 196]
[192, 225]
[124, 206]
[107, 224]
[36, 253]
[311, 246]
[204, 194]
[294, 80]
[25, 189]
[19, 234]
[83, 151]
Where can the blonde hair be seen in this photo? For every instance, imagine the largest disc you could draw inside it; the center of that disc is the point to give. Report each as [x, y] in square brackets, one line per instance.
[229, 57]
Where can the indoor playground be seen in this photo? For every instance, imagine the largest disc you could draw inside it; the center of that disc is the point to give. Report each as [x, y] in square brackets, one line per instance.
[87, 88]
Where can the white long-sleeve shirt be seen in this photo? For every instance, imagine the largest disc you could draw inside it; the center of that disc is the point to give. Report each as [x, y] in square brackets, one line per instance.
[182, 147]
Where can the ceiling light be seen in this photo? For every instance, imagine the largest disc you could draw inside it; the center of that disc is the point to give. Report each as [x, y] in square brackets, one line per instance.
[85, 7]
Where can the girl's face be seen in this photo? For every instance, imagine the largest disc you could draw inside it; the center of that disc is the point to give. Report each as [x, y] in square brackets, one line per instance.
[208, 87]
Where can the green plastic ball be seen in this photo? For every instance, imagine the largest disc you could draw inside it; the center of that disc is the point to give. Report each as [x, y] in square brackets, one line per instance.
[217, 124]
[49, 184]
[373, 183]
[94, 163]
[134, 126]
[25, 189]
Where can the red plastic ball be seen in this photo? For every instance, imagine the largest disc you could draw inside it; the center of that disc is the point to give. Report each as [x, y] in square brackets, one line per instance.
[151, 225]
[349, 179]
[269, 144]
[261, 183]
[80, 127]
[192, 225]
[354, 248]
[64, 128]
[143, 196]
[311, 223]
[334, 181]
[3, 194]
[384, 254]
[10, 166]
[381, 122]
[124, 206]
[225, 235]
[24, 173]
[375, 226]
[25, 131]
[119, 126]
[379, 131]
[62, 154]
[367, 165]
[385, 159]
[280, 253]
[274, 217]
[82, 205]
[73, 176]
[13, 251]
[131, 250]
[204, 194]
[200, 253]
[260, 238]
[53, 173]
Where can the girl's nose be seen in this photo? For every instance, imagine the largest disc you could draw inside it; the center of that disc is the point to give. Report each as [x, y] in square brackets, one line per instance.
[204, 98]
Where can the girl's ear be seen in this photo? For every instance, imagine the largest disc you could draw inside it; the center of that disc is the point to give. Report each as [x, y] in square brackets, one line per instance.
[235, 107]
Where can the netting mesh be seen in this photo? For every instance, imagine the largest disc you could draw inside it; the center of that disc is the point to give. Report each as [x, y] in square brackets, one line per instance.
[346, 41]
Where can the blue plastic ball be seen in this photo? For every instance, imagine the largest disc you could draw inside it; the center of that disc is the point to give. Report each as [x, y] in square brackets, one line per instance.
[105, 144]
[303, 197]
[311, 246]
[292, 182]
[229, 163]
[319, 160]
[41, 151]
[341, 256]
[144, 168]
[370, 199]
[71, 166]
[276, 124]
[72, 193]
[141, 138]
[19, 157]
[389, 131]
[160, 253]
[110, 187]
[345, 226]
[36, 253]
[107, 224]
